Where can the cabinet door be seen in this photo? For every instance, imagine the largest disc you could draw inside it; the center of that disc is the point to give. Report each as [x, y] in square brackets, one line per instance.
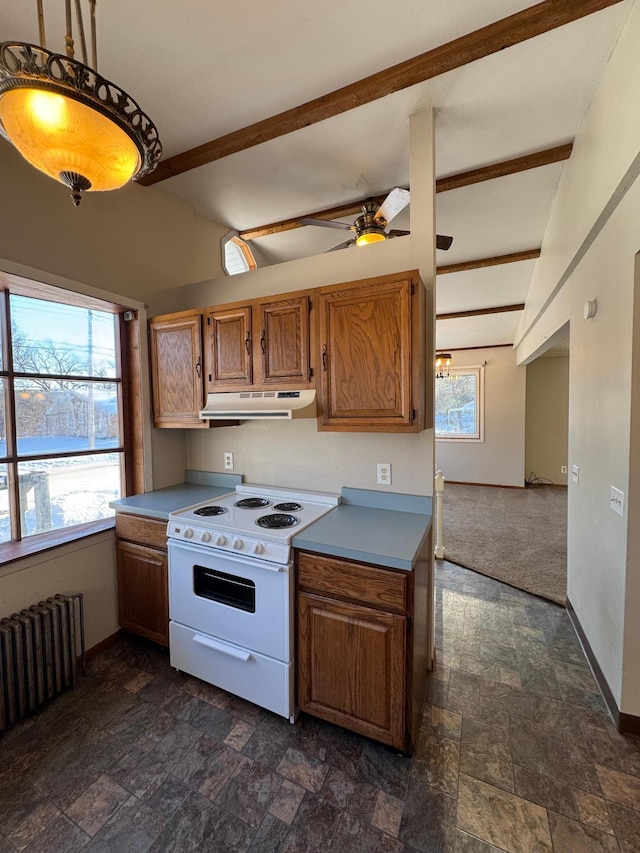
[282, 342]
[177, 370]
[143, 597]
[231, 347]
[351, 667]
[367, 341]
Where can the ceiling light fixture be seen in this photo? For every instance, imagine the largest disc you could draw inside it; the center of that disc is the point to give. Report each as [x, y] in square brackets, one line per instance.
[367, 228]
[67, 120]
[443, 363]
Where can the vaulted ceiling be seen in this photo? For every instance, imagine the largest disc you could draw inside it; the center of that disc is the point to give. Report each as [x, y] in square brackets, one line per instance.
[292, 111]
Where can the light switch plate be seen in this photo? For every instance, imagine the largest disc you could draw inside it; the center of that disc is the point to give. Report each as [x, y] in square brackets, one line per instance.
[575, 473]
[616, 500]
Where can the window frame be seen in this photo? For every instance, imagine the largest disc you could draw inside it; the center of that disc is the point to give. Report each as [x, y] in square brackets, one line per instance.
[128, 382]
[244, 248]
[478, 436]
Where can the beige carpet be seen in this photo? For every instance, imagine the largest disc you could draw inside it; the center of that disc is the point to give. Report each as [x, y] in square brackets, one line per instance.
[518, 536]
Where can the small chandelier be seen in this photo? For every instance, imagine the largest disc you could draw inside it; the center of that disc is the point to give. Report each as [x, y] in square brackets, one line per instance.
[443, 362]
[67, 120]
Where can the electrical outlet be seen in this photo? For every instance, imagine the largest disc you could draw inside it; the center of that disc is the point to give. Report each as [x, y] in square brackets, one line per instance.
[228, 461]
[616, 500]
[563, 469]
[384, 473]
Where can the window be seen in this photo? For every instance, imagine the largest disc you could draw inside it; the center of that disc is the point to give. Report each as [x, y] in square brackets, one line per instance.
[61, 414]
[459, 404]
[236, 254]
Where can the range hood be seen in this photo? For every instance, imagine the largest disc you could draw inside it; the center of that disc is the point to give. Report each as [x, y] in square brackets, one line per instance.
[259, 405]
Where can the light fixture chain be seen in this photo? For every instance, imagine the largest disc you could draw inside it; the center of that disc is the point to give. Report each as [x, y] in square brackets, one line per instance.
[69, 36]
[43, 38]
[83, 41]
[94, 38]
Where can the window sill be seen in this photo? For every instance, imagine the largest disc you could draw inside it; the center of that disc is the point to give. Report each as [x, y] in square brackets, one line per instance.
[10, 552]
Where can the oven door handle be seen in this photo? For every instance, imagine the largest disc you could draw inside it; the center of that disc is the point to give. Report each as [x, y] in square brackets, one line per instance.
[218, 646]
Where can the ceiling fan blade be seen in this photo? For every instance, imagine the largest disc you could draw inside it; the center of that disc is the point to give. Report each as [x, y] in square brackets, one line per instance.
[396, 201]
[443, 242]
[344, 245]
[324, 223]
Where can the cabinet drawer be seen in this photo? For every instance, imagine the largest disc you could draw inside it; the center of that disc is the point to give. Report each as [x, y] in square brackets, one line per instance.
[146, 531]
[361, 583]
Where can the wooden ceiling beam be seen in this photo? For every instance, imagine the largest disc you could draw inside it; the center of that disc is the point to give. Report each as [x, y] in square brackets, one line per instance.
[509, 31]
[514, 257]
[507, 167]
[480, 346]
[480, 312]
[464, 179]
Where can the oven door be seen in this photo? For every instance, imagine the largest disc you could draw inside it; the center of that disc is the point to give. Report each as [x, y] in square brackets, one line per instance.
[236, 599]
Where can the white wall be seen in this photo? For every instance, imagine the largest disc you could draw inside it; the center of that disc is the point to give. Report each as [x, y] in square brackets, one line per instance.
[123, 246]
[589, 252]
[547, 418]
[499, 459]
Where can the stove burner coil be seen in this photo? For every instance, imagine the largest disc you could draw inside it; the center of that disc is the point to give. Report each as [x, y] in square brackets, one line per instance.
[252, 503]
[211, 509]
[288, 506]
[277, 520]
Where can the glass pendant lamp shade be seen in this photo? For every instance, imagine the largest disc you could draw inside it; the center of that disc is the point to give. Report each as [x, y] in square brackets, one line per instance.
[70, 122]
[57, 134]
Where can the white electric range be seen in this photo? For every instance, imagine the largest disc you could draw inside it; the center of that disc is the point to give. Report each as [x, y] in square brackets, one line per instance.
[231, 590]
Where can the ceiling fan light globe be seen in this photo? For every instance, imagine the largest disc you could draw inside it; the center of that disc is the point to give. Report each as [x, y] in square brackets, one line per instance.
[372, 236]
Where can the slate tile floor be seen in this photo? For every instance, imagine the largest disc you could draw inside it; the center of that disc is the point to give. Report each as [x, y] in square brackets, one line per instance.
[516, 753]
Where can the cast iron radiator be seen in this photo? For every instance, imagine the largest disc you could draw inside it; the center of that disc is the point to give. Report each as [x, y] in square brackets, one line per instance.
[38, 655]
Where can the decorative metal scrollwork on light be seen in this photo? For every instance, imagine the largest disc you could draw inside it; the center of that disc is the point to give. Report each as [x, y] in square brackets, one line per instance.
[69, 121]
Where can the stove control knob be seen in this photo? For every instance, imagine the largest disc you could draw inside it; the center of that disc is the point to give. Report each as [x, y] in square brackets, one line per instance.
[206, 536]
[221, 540]
[188, 533]
[258, 548]
[237, 544]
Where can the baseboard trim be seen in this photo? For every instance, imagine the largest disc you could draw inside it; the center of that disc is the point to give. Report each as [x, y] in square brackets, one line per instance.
[103, 645]
[490, 485]
[627, 724]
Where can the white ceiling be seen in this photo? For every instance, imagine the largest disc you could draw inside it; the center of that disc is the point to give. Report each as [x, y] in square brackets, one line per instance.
[202, 69]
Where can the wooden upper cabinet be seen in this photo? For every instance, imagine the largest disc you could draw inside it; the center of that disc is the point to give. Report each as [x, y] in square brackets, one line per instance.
[229, 330]
[372, 345]
[264, 343]
[177, 370]
[281, 333]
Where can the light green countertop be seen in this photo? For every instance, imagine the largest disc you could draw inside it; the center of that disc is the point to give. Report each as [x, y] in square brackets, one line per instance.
[198, 486]
[363, 528]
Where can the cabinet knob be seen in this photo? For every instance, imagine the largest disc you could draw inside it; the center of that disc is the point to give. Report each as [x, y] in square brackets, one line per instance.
[262, 336]
[247, 343]
[198, 369]
[324, 357]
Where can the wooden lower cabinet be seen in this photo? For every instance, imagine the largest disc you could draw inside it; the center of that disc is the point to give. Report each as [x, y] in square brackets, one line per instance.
[362, 644]
[143, 584]
[351, 667]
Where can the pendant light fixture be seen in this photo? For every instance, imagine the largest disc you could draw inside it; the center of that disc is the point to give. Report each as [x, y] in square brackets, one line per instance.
[443, 362]
[67, 120]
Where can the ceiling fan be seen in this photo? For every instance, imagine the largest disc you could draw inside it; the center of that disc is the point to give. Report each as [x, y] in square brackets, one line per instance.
[370, 226]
